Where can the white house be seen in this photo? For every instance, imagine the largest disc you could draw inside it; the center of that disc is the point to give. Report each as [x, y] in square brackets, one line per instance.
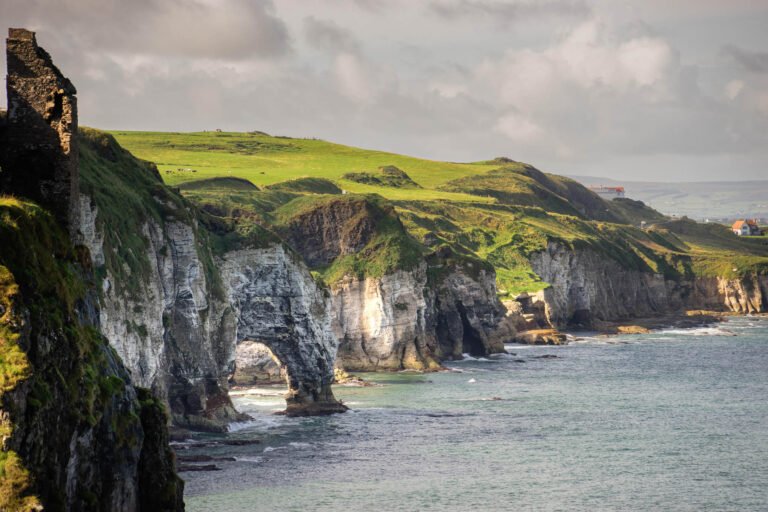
[746, 227]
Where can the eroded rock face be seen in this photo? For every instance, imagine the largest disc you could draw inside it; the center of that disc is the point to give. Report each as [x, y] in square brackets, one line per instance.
[173, 332]
[467, 315]
[277, 303]
[586, 287]
[747, 295]
[403, 321]
[382, 322]
[336, 229]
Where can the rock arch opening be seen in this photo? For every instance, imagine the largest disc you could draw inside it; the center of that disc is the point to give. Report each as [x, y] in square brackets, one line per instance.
[257, 365]
[266, 364]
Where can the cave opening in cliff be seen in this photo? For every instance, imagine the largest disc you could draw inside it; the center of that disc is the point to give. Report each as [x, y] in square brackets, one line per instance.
[471, 341]
[256, 365]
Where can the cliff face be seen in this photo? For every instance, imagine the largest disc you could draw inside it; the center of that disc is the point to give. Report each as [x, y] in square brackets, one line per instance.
[382, 322]
[172, 330]
[746, 295]
[179, 329]
[76, 435]
[388, 313]
[587, 286]
[466, 314]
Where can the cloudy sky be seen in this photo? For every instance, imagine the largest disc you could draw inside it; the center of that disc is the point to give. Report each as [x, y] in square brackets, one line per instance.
[643, 89]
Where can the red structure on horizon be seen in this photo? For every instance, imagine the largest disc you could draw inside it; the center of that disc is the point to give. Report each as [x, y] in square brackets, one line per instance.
[607, 192]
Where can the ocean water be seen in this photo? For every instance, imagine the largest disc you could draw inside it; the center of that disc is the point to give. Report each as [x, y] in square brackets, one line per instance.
[673, 420]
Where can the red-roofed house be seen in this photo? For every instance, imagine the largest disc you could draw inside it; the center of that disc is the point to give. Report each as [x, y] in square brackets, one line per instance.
[747, 227]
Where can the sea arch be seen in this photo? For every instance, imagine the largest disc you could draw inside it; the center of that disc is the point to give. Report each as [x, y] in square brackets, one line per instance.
[278, 304]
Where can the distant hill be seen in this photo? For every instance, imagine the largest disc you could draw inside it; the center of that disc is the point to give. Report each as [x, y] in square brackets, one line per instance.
[698, 200]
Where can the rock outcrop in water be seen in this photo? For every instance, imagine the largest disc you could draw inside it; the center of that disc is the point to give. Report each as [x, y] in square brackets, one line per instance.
[277, 303]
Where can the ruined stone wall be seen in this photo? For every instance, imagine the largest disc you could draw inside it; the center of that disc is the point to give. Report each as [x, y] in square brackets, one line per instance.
[40, 156]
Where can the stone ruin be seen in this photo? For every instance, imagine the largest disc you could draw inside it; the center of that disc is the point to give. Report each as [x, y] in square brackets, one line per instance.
[38, 133]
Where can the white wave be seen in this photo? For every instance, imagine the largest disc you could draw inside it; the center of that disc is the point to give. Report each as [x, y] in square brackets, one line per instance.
[503, 356]
[597, 340]
[260, 421]
[467, 358]
[274, 448]
[471, 381]
[249, 459]
[297, 444]
[241, 403]
[257, 391]
[699, 331]
[242, 425]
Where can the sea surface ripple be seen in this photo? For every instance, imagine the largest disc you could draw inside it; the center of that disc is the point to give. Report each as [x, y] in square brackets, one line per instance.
[672, 420]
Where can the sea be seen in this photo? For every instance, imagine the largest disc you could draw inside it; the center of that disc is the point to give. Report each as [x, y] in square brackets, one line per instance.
[674, 420]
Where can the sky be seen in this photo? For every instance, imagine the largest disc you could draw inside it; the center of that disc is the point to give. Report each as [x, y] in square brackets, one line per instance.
[652, 90]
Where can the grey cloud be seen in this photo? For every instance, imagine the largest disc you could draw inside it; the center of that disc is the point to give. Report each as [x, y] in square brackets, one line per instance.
[752, 61]
[233, 29]
[372, 5]
[328, 36]
[135, 66]
[509, 11]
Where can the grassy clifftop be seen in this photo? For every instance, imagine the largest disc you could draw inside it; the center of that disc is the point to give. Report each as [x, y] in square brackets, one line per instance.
[128, 192]
[498, 211]
[265, 160]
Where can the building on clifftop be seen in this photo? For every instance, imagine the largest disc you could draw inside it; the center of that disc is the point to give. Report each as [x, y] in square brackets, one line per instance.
[746, 227]
[607, 192]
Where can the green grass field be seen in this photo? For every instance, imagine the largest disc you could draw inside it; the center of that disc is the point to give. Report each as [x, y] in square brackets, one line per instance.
[265, 160]
[497, 212]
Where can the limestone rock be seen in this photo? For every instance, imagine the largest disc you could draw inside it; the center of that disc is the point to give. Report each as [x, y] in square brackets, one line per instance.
[588, 288]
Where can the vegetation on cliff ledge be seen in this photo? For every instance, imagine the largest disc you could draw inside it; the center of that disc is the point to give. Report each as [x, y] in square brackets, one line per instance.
[128, 194]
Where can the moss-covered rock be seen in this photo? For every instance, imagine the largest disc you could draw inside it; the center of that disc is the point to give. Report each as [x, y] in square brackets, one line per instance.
[70, 416]
[387, 176]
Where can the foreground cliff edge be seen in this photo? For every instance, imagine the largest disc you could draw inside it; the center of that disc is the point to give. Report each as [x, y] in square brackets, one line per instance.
[76, 433]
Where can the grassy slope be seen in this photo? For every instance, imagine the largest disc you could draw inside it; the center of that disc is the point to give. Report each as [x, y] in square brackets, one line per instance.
[265, 160]
[128, 192]
[499, 211]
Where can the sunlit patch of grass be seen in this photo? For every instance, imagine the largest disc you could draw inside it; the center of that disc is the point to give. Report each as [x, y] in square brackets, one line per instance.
[499, 211]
